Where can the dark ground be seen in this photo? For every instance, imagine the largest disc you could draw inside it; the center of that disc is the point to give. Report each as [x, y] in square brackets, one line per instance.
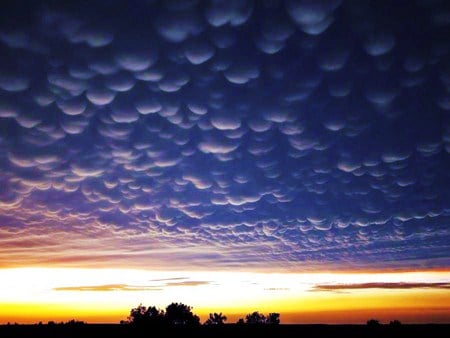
[230, 330]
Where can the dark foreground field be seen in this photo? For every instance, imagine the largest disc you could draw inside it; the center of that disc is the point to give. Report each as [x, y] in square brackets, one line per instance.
[230, 330]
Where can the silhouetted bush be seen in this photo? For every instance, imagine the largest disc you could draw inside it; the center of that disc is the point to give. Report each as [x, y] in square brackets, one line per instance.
[373, 322]
[395, 323]
[255, 318]
[74, 322]
[273, 318]
[216, 319]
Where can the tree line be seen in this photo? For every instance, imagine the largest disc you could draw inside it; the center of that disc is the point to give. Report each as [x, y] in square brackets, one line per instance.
[179, 314]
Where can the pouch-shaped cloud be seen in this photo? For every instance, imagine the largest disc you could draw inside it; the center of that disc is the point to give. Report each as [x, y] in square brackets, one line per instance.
[119, 82]
[73, 124]
[177, 26]
[242, 199]
[381, 94]
[314, 17]
[198, 52]
[198, 181]
[225, 122]
[123, 112]
[86, 171]
[197, 108]
[217, 146]
[100, 96]
[94, 37]
[378, 44]
[148, 105]
[8, 110]
[173, 82]
[348, 165]
[269, 46]
[233, 12]
[241, 74]
[12, 83]
[334, 59]
[392, 156]
[259, 125]
[334, 124]
[227, 134]
[136, 61]
[73, 106]
[28, 120]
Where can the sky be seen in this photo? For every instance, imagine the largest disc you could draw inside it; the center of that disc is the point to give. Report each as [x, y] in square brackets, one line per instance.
[296, 152]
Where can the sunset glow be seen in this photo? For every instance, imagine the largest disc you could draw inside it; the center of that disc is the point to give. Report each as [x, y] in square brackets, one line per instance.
[107, 295]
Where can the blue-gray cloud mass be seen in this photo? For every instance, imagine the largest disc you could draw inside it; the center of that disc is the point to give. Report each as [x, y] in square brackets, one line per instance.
[300, 134]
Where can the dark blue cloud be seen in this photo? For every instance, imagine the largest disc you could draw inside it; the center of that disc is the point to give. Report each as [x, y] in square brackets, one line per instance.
[299, 133]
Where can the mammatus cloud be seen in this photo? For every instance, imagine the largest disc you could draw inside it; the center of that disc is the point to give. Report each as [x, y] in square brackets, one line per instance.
[299, 135]
[363, 286]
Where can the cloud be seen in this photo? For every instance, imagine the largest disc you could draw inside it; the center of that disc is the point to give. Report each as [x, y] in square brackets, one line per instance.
[225, 122]
[177, 25]
[199, 52]
[296, 134]
[93, 37]
[72, 106]
[86, 171]
[148, 106]
[378, 44]
[136, 61]
[241, 73]
[314, 17]
[389, 286]
[106, 287]
[188, 283]
[120, 82]
[217, 146]
[100, 96]
[235, 13]
[127, 287]
[13, 83]
[198, 181]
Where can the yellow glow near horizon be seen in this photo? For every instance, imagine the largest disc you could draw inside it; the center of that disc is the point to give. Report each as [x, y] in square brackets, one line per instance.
[107, 295]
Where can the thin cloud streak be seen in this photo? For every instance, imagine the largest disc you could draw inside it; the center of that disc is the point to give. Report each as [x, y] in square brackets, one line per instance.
[126, 287]
[107, 287]
[382, 285]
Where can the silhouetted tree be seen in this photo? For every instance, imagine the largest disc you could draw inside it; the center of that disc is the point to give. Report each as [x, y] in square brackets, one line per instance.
[148, 316]
[154, 315]
[181, 314]
[240, 321]
[74, 322]
[216, 319]
[255, 318]
[137, 315]
[273, 318]
[395, 323]
[373, 322]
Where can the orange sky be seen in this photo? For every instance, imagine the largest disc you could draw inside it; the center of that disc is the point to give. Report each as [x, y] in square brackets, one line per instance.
[106, 295]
